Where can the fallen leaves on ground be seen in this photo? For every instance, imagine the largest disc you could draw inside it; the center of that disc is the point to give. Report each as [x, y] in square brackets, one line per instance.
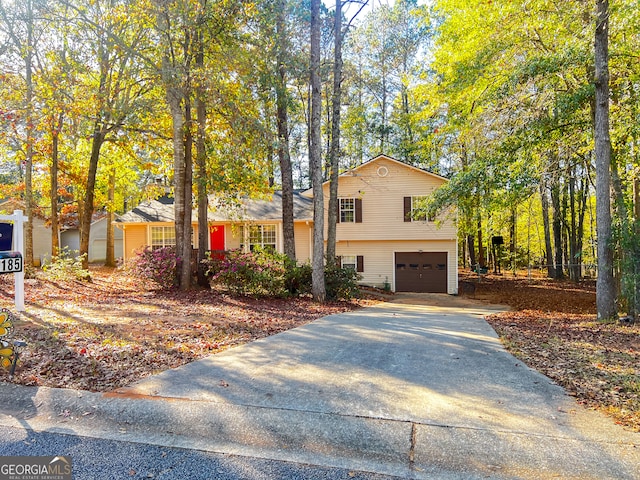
[110, 332]
[552, 327]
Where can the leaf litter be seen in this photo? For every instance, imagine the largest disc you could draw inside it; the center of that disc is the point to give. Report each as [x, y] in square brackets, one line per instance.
[115, 330]
[552, 327]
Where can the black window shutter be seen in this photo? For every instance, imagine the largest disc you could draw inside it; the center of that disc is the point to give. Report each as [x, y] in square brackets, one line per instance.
[359, 263]
[358, 210]
[339, 261]
[338, 211]
[407, 209]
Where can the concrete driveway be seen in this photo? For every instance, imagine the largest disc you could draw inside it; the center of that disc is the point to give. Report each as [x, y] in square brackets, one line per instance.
[418, 388]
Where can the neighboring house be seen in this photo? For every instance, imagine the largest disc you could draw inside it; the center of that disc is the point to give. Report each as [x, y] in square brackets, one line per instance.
[70, 238]
[376, 234]
[41, 231]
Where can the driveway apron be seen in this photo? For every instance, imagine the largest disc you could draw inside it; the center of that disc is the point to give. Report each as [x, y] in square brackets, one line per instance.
[419, 388]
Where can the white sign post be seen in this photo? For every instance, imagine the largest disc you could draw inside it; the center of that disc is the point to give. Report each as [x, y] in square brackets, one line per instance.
[18, 220]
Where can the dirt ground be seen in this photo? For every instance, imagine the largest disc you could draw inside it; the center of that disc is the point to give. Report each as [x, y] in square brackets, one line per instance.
[114, 330]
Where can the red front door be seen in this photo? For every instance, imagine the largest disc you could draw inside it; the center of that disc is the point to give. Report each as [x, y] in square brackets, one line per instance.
[216, 237]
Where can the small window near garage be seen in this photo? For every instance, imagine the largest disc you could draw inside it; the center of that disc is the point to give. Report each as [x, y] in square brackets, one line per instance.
[349, 261]
[442, 266]
[352, 261]
[427, 266]
[401, 266]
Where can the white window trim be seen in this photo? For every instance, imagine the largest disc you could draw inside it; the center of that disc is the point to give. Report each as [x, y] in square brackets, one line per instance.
[352, 209]
[422, 218]
[246, 236]
[345, 261]
[164, 242]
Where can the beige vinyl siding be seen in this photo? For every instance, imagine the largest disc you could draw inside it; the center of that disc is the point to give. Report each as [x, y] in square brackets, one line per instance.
[379, 259]
[41, 241]
[383, 203]
[135, 238]
[232, 234]
[303, 234]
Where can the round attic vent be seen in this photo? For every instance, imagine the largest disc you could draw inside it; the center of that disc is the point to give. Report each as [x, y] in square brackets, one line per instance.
[383, 171]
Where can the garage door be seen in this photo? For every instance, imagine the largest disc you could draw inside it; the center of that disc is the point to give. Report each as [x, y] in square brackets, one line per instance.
[421, 272]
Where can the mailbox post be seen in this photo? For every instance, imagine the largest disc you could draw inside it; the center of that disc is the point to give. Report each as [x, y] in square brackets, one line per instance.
[12, 261]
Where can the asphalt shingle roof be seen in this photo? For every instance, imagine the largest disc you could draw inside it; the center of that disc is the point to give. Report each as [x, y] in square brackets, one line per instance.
[161, 210]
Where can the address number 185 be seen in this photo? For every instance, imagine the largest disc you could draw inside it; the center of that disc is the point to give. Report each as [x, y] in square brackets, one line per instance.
[10, 262]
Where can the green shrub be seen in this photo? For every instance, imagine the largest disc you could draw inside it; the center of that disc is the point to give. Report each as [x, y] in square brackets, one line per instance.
[65, 266]
[269, 274]
[298, 278]
[256, 274]
[341, 283]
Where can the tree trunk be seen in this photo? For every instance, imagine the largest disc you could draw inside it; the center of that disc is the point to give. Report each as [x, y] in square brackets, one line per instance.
[574, 267]
[186, 270]
[605, 288]
[556, 202]
[110, 257]
[318, 288]
[481, 255]
[53, 192]
[334, 153]
[201, 172]
[544, 198]
[174, 101]
[28, 164]
[97, 141]
[584, 192]
[472, 251]
[513, 238]
[286, 171]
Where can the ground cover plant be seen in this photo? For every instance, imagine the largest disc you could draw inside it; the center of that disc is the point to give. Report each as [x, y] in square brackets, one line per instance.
[116, 329]
[552, 327]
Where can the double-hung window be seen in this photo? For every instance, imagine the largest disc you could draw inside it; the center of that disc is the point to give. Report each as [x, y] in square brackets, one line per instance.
[415, 209]
[260, 236]
[350, 210]
[355, 262]
[164, 236]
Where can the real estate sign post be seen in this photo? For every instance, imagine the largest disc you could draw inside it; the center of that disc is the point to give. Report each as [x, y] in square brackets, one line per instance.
[12, 261]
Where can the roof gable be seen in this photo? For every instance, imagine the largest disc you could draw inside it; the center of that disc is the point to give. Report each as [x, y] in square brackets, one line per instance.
[398, 162]
[378, 159]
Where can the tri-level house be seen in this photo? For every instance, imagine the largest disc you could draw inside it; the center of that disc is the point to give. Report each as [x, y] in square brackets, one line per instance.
[380, 230]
